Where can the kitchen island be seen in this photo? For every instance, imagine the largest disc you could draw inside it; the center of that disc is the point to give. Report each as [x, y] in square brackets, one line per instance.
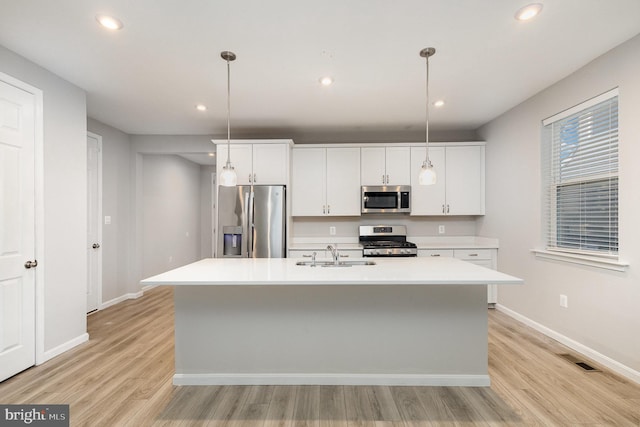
[402, 321]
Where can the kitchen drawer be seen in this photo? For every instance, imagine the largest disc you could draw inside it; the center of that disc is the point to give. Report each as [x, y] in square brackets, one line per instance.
[304, 253]
[321, 253]
[435, 252]
[473, 254]
[349, 253]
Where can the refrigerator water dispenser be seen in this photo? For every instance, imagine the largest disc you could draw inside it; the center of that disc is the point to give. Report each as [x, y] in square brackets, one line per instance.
[232, 240]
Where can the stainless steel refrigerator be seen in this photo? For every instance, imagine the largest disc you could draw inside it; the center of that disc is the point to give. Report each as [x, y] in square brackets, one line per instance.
[251, 222]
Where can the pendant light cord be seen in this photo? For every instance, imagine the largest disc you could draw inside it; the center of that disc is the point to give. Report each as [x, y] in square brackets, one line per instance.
[228, 113]
[426, 138]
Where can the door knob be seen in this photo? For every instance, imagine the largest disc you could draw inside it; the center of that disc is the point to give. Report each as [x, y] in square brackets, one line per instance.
[96, 246]
[31, 264]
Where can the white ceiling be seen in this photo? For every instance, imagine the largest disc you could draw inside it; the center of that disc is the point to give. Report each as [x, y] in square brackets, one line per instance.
[147, 77]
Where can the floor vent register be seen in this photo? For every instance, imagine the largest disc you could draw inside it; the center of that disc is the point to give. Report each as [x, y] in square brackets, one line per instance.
[576, 361]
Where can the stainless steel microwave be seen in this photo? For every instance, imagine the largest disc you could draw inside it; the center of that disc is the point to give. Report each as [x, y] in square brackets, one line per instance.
[386, 199]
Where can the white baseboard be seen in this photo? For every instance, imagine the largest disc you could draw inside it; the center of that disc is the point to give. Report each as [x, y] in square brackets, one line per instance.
[50, 354]
[592, 354]
[121, 298]
[147, 287]
[333, 379]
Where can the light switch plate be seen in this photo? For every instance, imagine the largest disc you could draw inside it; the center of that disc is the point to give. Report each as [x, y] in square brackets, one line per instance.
[107, 220]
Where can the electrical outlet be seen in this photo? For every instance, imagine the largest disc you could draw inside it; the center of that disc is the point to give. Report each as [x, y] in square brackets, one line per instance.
[564, 301]
[332, 231]
[107, 220]
[441, 229]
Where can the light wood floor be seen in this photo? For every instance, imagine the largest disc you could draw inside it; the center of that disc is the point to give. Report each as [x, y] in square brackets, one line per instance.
[122, 377]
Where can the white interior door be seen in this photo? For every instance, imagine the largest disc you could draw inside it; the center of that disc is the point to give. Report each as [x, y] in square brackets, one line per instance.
[17, 230]
[94, 221]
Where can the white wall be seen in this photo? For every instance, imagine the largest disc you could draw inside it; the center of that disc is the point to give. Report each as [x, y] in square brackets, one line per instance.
[604, 306]
[142, 145]
[170, 214]
[65, 201]
[116, 203]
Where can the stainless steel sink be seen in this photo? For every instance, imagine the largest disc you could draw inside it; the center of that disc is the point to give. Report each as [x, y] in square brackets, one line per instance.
[329, 263]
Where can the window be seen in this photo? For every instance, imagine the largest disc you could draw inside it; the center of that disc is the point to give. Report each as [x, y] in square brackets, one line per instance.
[580, 178]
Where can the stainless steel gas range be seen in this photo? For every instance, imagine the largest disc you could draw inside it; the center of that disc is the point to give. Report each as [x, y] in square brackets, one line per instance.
[386, 241]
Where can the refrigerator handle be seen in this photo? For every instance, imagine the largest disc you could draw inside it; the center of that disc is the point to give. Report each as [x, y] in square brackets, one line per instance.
[250, 225]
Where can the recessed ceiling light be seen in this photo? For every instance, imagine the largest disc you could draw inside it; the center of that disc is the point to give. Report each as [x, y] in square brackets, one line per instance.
[201, 107]
[529, 11]
[326, 81]
[110, 22]
[212, 154]
[438, 103]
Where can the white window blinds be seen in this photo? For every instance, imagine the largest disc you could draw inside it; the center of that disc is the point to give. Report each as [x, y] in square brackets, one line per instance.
[580, 177]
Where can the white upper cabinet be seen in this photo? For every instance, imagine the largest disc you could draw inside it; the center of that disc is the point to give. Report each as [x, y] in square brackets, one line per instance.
[465, 180]
[385, 166]
[326, 181]
[259, 163]
[270, 164]
[241, 160]
[343, 181]
[373, 168]
[428, 199]
[460, 185]
[308, 182]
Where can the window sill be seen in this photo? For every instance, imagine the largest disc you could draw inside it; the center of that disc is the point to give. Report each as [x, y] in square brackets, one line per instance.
[592, 261]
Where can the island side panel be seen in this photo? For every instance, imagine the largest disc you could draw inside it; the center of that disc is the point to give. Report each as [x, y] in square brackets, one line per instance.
[429, 335]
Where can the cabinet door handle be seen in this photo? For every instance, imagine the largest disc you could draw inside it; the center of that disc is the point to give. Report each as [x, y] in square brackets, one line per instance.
[443, 209]
[435, 254]
[387, 179]
[250, 178]
[344, 255]
[31, 264]
[306, 256]
[383, 179]
[255, 179]
[447, 208]
[473, 254]
[328, 209]
[323, 210]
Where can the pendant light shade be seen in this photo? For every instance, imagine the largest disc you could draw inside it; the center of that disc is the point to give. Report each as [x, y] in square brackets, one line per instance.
[427, 174]
[228, 177]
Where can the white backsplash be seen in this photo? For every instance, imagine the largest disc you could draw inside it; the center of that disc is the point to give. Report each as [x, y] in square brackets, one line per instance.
[416, 226]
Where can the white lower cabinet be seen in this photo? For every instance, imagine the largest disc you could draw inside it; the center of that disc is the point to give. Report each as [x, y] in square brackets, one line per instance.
[307, 253]
[483, 257]
[435, 252]
[349, 253]
[322, 253]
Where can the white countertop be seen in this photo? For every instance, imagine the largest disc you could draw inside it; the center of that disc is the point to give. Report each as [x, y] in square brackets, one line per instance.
[284, 271]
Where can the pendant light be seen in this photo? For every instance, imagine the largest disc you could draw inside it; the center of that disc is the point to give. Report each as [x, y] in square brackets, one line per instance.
[427, 174]
[228, 177]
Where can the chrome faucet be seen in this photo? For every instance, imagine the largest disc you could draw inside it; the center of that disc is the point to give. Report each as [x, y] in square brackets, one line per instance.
[334, 253]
